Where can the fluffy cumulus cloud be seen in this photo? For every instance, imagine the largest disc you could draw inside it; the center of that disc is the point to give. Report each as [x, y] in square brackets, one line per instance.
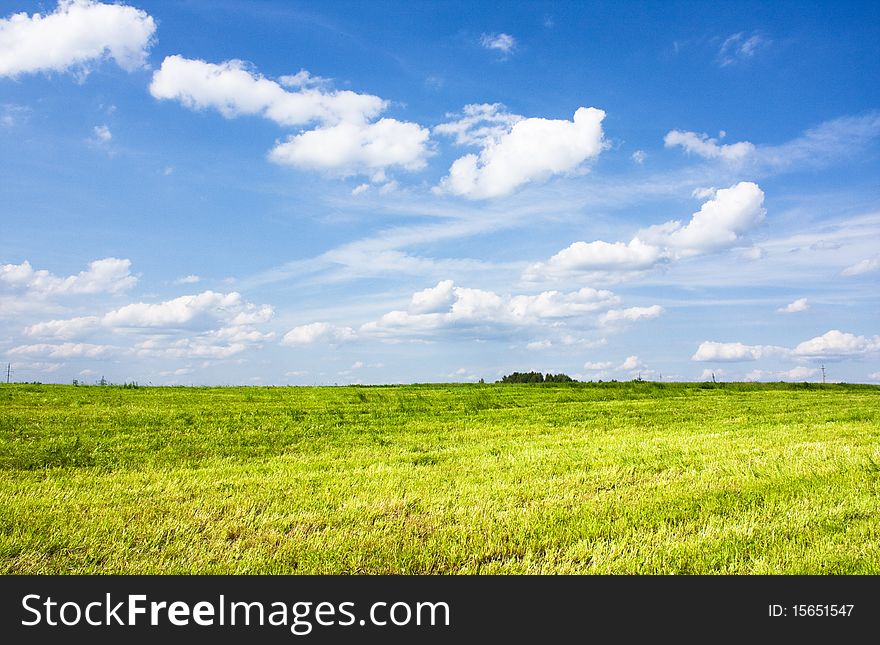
[719, 224]
[110, 275]
[76, 34]
[356, 148]
[631, 314]
[631, 363]
[63, 350]
[434, 299]
[530, 150]
[598, 257]
[317, 332]
[722, 222]
[708, 148]
[833, 344]
[448, 308]
[733, 352]
[234, 89]
[838, 344]
[188, 311]
[64, 329]
[797, 306]
[344, 138]
[204, 325]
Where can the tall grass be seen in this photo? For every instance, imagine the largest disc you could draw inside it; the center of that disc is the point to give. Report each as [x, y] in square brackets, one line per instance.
[557, 478]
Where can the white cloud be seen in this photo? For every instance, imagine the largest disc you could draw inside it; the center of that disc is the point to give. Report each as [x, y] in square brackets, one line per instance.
[234, 90]
[631, 363]
[317, 332]
[64, 350]
[569, 340]
[76, 34]
[481, 124]
[874, 376]
[704, 193]
[601, 365]
[702, 145]
[66, 329]
[733, 352]
[12, 115]
[639, 156]
[797, 306]
[799, 373]
[102, 134]
[837, 139]
[837, 344]
[753, 253]
[539, 345]
[738, 48]
[304, 79]
[834, 344]
[36, 366]
[446, 306]
[110, 275]
[351, 148]
[360, 188]
[433, 299]
[187, 348]
[186, 311]
[532, 150]
[188, 279]
[502, 42]
[863, 266]
[555, 304]
[344, 141]
[213, 325]
[632, 314]
[582, 257]
[181, 371]
[719, 224]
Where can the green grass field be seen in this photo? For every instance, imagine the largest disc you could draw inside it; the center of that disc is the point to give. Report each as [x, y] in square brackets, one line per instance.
[454, 479]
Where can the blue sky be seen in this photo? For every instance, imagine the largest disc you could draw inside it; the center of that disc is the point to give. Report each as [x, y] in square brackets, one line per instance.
[347, 192]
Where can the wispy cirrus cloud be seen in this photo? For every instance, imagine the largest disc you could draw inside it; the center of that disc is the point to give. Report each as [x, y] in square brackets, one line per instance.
[741, 47]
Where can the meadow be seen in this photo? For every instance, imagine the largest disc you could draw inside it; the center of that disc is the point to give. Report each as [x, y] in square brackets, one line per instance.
[583, 478]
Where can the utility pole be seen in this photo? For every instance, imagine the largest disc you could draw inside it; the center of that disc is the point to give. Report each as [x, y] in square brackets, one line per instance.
[823, 374]
[8, 372]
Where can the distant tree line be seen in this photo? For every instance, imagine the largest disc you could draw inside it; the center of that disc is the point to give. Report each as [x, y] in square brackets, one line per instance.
[536, 377]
